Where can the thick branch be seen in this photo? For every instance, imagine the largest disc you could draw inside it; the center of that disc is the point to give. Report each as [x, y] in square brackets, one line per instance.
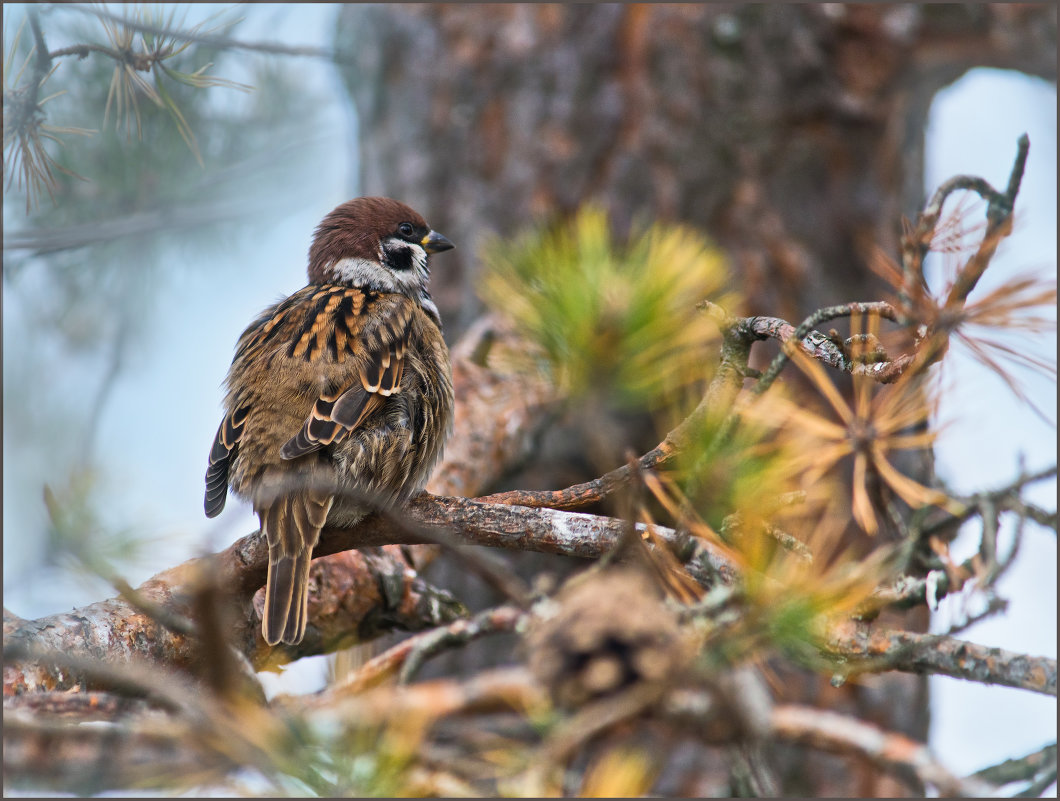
[363, 596]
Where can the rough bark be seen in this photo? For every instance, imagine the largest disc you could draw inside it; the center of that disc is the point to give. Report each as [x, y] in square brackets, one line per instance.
[793, 134]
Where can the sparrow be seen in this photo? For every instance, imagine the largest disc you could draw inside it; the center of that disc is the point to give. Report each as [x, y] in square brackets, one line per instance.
[339, 399]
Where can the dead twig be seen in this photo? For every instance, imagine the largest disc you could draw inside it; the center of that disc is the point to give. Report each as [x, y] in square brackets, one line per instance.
[831, 731]
[863, 648]
[1037, 768]
[406, 657]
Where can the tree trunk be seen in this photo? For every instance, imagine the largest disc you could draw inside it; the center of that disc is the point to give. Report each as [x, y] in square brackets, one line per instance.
[793, 134]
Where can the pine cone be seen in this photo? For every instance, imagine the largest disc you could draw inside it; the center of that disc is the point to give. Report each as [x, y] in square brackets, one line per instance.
[611, 630]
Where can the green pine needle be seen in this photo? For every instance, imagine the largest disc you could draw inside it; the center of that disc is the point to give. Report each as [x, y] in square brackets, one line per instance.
[608, 317]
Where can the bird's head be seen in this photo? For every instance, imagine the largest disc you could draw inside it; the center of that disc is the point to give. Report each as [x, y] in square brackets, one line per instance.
[377, 244]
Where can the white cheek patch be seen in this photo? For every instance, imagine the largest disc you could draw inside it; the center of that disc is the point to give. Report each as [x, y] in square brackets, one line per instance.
[419, 260]
[378, 276]
[399, 252]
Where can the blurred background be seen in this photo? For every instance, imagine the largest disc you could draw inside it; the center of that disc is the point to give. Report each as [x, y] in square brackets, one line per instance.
[795, 136]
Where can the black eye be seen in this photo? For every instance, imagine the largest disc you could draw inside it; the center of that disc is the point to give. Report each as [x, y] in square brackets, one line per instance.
[405, 229]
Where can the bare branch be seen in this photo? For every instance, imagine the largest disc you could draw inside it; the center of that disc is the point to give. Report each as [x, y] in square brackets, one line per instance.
[863, 648]
[814, 345]
[830, 731]
[220, 42]
[1006, 498]
[720, 394]
[1040, 764]
[408, 655]
[501, 688]
[357, 595]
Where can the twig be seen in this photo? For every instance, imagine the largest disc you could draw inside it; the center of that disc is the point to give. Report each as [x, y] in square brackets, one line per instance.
[492, 621]
[804, 328]
[497, 689]
[220, 42]
[863, 648]
[1039, 785]
[584, 494]
[1006, 498]
[830, 731]
[720, 394]
[732, 529]
[998, 215]
[993, 607]
[1027, 768]
[408, 656]
[999, 209]
[487, 566]
[425, 644]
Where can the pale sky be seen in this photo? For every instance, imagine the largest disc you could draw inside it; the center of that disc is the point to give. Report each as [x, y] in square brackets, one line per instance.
[989, 428]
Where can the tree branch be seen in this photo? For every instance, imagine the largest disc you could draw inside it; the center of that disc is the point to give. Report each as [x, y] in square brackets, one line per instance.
[406, 657]
[863, 648]
[1037, 765]
[210, 40]
[830, 731]
[720, 395]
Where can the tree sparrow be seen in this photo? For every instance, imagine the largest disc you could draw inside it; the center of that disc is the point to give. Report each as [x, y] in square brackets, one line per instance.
[339, 398]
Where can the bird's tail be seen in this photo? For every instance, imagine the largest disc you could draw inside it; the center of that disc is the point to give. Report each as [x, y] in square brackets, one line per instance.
[292, 525]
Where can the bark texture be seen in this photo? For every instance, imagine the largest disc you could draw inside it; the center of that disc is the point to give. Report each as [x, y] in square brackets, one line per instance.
[793, 134]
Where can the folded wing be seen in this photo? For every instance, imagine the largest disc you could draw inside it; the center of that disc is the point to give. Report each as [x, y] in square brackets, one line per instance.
[335, 415]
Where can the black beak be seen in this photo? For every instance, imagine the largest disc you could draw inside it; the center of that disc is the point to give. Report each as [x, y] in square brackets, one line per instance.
[434, 242]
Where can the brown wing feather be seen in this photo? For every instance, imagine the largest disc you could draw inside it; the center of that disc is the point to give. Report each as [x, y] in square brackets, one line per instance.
[334, 416]
[224, 447]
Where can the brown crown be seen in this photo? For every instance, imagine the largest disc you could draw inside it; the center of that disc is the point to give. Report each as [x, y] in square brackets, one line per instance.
[354, 229]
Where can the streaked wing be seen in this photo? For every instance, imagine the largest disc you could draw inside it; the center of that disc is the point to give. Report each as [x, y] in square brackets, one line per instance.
[224, 447]
[335, 415]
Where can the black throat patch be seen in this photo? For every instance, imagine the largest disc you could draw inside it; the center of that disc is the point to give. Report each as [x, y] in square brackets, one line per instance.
[398, 257]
